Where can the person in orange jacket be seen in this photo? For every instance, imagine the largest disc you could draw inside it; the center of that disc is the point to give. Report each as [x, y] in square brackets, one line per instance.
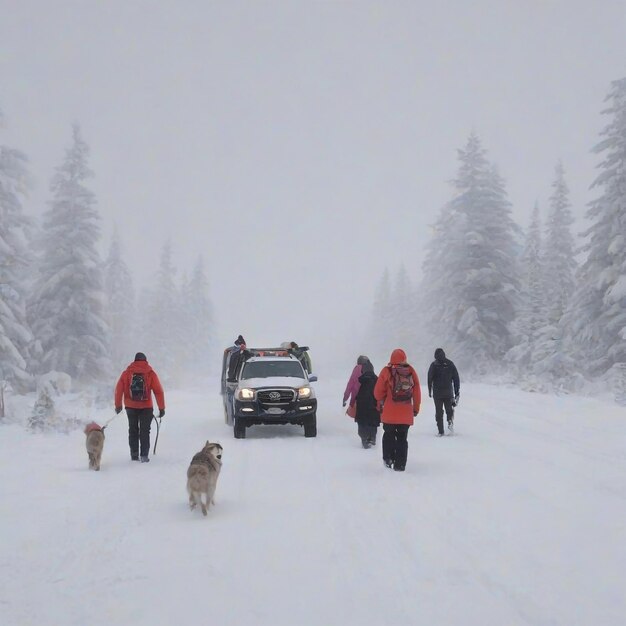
[399, 397]
[134, 389]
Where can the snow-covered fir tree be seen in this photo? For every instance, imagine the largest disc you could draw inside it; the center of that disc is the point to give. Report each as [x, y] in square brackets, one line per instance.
[67, 310]
[120, 305]
[559, 257]
[401, 311]
[198, 313]
[531, 312]
[15, 335]
[552, 367]
[381, 323]
[163, 326]
[596, 318]
[470, 273]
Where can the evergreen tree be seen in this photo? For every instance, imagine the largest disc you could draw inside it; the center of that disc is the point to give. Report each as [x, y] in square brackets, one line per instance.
[470, 272]
[199, 320]
[165, 327]
[120, 300]
[67, 311]
[381, 323]
[559, 260]
[596, 319]
[15, 335]
[531, 312]
[401, 313]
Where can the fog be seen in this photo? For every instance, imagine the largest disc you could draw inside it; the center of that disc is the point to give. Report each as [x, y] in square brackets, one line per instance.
[302, 147]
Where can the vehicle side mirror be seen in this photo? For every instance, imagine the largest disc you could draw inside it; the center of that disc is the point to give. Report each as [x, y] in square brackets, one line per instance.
[312, 378]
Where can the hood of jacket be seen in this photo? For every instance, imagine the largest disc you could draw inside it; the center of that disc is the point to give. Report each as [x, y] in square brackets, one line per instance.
[440, 355]
[398, 356]
[139, 367]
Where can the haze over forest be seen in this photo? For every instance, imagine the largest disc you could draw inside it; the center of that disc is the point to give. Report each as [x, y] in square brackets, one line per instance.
[285, 142]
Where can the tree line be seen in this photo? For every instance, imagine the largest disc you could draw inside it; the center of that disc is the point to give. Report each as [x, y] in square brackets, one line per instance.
[533, 304]
[64, 308]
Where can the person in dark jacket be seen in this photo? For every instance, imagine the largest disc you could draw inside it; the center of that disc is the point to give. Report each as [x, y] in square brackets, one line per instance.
[134, 390]
[444, 388]
[367, 415]
[239, 355]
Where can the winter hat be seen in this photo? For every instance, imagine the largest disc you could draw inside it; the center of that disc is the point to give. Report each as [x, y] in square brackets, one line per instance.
[367, 367]
[361, 359]
[440, 355]
[140, 356]
[239, 340]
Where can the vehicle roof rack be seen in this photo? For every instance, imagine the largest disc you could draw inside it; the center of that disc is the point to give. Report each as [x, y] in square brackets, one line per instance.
[269, 351]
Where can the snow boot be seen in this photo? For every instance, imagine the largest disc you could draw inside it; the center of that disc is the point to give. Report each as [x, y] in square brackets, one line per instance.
[388, 463]
[145, 459]
[451, 426]
[134, 457]
[398, 468]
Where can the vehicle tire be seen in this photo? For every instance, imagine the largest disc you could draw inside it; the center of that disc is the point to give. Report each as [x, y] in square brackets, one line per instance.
[226, 416]
[239, 430]
[310, 427]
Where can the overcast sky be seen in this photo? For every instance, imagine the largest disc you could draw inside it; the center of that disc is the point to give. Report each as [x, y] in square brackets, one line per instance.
[301, 147]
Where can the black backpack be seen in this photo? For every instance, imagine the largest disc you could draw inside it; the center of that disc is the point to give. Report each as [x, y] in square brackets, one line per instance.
[138, 387]
[402, 383]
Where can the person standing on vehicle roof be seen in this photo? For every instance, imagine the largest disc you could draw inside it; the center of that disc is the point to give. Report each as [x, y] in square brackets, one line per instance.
[134, 390]
[444, 387]
[239, 355]
[302, 354]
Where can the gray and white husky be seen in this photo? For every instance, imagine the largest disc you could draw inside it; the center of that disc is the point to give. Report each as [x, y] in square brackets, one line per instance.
[202, 475]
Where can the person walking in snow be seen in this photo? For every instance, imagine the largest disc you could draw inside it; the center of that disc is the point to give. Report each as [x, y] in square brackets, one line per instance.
[398, 394]
[367, 415]
[134, 390]
[444, 388]
[352, 387]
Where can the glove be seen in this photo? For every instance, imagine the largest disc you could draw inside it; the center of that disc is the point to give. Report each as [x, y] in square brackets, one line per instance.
[430, 395]
[118, 409]
[416, 411]
[456, 400]
[344, 403]
[161, 412]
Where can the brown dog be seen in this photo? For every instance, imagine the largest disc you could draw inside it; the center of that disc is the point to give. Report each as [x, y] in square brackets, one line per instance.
[95, 444]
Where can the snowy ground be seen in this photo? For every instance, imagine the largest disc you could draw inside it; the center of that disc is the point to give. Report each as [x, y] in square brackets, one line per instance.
[520, 518]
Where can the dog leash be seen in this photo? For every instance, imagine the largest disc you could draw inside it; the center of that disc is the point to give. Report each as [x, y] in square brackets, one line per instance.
[109, 421]
[158, 423]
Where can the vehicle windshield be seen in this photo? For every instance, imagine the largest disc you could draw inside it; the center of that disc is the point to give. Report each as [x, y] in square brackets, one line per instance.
[266, 369]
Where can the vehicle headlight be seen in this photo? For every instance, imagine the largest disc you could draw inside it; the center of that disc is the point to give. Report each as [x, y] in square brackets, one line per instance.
[304, 392]
[246, 394]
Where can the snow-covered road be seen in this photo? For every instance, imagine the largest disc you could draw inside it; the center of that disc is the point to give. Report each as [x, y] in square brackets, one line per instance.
[520, 518]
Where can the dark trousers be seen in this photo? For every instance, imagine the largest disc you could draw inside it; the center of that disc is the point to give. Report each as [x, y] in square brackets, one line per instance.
[368, 433]
[139, 422]
[440, 403]
[395, 444]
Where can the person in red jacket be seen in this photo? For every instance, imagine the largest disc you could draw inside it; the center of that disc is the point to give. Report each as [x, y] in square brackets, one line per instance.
[399, 397]
[134, 389]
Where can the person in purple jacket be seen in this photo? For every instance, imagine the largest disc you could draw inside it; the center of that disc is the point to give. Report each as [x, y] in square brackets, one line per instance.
[352, 388]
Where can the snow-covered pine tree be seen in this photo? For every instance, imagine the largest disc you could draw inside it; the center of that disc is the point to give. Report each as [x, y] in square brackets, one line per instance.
[381, 325]
[401, 311]
[470, 273]
[596, 318]
[553, 369]
[199, 321]
[164, 329]
[67, 310]
[120, 305]
[15, 334]
[559, 257]
[531, 312]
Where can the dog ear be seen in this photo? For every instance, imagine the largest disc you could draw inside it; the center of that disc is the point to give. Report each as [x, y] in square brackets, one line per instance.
[207, 444]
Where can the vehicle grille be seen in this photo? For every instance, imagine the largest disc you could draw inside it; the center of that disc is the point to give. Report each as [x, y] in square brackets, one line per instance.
[276, 397]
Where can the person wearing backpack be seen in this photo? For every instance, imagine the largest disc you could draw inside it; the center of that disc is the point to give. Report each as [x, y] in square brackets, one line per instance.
[398, 394]
[134, 390]
[444, 388]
